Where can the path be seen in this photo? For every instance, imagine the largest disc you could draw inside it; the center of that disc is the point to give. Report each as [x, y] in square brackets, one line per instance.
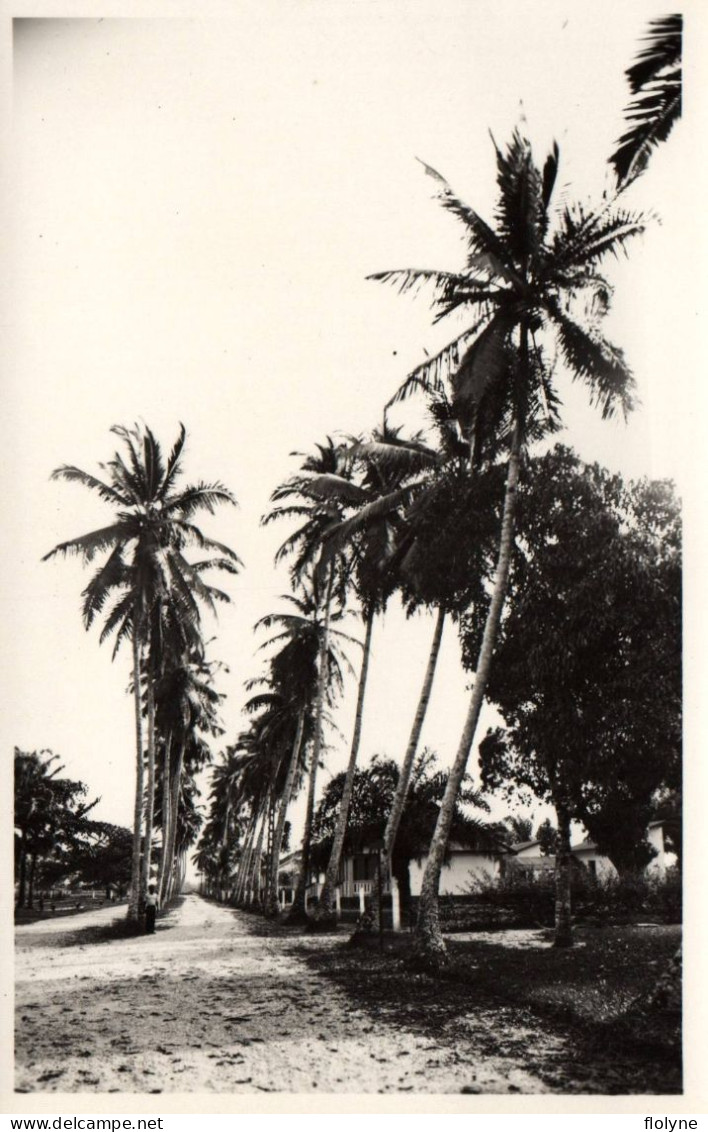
[211, 1003]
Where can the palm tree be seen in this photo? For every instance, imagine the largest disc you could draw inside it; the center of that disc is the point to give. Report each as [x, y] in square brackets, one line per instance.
[146, 575]
[655, 83]
[371, 537]
[531, 276]
[436, 496]
[287, 727]
[329, 579]
[187, 712]
[312, 625]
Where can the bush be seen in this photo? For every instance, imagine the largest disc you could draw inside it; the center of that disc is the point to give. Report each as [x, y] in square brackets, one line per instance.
[625, 900]
[522, 900]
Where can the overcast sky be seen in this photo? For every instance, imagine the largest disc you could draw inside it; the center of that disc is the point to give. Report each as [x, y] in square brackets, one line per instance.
[196, 204]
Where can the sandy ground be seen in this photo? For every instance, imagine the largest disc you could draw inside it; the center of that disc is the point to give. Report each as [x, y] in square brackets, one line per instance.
[211, 1004]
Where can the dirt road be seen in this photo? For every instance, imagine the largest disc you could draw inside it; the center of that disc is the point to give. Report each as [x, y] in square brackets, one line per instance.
[215, 1002]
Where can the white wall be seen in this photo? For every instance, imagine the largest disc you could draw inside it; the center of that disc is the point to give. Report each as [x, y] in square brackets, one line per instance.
[458, 875]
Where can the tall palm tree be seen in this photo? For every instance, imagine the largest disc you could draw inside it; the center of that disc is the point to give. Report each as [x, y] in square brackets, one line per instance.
[313, 624]
[329, 580]
[187, 714]
[146, 571]
[655, 82]
[372, 544]
[530, 277]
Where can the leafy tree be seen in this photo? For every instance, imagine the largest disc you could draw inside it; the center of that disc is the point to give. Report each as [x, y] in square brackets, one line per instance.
[547, 835]
[533, 277]
[655, 82]
[51, 819]
[592, 633]
[104, 859]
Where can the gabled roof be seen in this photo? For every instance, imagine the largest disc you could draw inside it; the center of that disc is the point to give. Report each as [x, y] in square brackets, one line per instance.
[518, 846]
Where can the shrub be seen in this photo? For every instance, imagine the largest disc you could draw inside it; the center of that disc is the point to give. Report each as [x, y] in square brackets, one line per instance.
[621, 900]
[520, 899]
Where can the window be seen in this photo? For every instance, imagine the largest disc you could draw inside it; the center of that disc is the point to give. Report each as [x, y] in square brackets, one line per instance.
[365, 866]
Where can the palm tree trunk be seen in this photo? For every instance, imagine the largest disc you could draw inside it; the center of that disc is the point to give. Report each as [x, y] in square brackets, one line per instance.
[135, 894]
[563, 928]
[404, 778]
[326, 908]
[272, 897]
[428, 943]
[245, 862]
[166, 817]
[269, 846]
[150, 804]
[257, 862]
[298, 910]
[175, 787]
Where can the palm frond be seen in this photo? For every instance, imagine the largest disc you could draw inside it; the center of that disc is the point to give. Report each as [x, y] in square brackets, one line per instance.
[173, 462]
[198, 497]
[656, 78]
[596, 362]
[76, 475]
[88, 546]
[481, 238]
[430, 376]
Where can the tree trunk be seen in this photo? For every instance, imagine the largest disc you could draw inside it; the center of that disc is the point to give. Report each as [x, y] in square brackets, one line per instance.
[404, 778]
[30, 889]
[166, 817]
[150, 804]
[272, 896]
[326, 908]
[175, 786]
[22, 890]
[245, 862]
[563, 926]
[428, 944]
[254, 878]
[135, 894]
[298, 910]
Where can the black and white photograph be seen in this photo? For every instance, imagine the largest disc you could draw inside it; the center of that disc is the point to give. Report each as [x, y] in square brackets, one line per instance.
[352, 438]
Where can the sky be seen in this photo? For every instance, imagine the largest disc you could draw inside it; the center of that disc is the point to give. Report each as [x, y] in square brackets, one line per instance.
[195, 205]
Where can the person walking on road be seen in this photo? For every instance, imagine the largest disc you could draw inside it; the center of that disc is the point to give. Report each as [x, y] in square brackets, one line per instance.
[150, 910]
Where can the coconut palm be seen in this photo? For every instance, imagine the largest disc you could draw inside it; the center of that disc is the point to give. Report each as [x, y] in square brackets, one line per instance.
[312, 624]
[146, 576]
[438, 501]
[655, 82]
[371, 537]
[187, 713]
[532, 277]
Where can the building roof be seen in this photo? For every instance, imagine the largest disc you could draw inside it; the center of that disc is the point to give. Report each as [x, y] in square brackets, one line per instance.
[518, 846]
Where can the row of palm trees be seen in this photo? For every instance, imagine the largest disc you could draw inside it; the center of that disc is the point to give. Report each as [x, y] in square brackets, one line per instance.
[373, 516]
[373, 511]
[148, 592]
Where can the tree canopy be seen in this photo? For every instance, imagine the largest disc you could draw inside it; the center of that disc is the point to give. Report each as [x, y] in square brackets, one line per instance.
[588, 669]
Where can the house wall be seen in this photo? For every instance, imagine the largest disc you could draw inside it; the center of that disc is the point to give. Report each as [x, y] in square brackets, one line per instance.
[604, 869]
[663, 860]
[458, 874]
